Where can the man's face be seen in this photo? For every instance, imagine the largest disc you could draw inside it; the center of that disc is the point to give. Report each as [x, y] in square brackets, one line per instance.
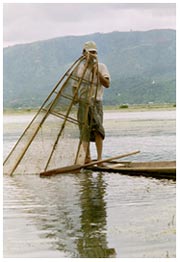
[91, 55]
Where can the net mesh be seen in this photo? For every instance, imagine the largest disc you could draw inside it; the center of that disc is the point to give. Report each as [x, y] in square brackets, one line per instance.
[52, 138]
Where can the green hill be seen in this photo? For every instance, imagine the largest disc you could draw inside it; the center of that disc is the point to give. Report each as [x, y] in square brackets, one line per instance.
[142, 67]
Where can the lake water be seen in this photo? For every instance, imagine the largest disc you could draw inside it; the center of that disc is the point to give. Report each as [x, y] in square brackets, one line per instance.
[96, 214]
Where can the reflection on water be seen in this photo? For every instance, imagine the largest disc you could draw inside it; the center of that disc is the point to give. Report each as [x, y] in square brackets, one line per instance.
[88, 215]
[97, 214]
[65, 215]
[93, 242]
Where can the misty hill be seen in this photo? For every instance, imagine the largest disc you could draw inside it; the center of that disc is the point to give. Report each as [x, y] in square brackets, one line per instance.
[142, 67]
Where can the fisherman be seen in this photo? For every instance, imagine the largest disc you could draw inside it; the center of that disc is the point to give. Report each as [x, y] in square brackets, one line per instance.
[91, 92]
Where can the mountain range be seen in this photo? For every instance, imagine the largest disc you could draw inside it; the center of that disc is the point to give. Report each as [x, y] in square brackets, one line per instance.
[142, 65]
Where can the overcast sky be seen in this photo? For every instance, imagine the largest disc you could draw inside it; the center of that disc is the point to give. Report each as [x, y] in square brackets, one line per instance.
[24, 23]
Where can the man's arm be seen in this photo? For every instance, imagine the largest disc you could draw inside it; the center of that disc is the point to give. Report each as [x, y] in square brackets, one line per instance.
[104, 80]
[103, 75]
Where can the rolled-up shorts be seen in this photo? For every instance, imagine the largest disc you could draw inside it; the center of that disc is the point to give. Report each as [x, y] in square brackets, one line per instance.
[90, 119]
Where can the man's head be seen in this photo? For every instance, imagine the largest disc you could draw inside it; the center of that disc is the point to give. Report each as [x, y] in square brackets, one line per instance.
[90, 47]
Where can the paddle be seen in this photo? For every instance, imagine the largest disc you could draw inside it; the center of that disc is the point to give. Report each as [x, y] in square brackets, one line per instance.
[73, 168]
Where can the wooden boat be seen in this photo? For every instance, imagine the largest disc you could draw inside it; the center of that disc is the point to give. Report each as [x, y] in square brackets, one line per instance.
[158, 169]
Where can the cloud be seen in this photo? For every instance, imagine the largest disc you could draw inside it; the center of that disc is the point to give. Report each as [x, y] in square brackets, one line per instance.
[32, 22]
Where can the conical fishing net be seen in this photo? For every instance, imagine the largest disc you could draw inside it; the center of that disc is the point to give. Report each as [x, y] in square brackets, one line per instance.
[52, 139]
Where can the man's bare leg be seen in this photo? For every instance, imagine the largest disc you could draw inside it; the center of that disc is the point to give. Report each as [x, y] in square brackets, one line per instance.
[99, 146]
[86, 146]
[84, 154]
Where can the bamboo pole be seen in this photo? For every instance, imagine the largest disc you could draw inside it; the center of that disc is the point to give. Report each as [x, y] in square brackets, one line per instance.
[75, 168]
[88, 97]
[66, 116]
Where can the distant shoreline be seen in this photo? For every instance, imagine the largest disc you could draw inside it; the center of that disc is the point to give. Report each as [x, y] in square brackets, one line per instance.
[140, 107]
[122, 108]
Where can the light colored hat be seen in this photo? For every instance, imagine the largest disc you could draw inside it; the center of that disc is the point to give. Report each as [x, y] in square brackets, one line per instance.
[90, 46]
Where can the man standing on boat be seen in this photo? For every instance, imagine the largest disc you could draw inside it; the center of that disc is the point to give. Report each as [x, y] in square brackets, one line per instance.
[95, 77]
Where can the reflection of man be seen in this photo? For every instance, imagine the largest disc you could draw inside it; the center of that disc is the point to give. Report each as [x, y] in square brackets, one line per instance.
[92, 243]
[91, 91]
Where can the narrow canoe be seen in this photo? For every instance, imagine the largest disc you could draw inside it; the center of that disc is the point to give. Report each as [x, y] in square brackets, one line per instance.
[158, 169]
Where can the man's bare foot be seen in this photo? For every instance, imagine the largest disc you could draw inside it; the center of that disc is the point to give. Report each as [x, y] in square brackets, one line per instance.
[101, 165]
[88, 160]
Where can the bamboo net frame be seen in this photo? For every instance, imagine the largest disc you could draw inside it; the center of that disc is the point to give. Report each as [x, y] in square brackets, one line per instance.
[60, 95]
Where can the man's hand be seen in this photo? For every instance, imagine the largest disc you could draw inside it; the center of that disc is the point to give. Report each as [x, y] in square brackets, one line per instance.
[103, 80]
[90, 57]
